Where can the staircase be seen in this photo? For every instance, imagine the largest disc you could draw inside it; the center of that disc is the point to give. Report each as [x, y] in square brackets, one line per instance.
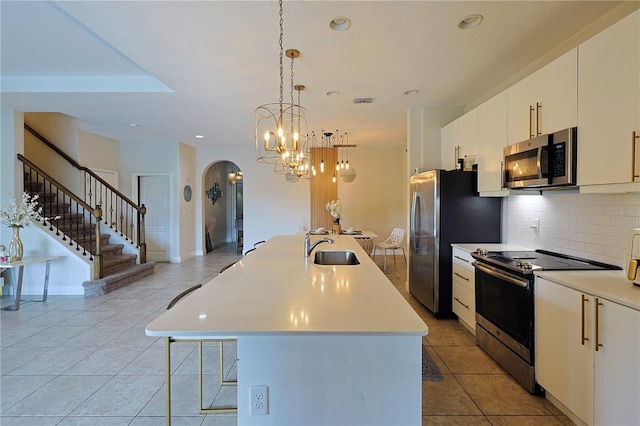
[84, 230]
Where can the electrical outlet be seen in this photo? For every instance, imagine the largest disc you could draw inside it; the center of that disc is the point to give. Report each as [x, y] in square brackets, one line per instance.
[259, 400]
[536, 225]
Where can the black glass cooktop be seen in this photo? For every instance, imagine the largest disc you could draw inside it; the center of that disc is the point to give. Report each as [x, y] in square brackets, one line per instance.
[542, 259]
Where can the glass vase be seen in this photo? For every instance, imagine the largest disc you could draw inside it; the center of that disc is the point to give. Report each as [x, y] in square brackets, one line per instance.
[15, 246]
[336, 226]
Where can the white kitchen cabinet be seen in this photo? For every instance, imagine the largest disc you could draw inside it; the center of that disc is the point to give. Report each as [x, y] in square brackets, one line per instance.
[617, 366]
[464, 290]
[587, 352]
[492, 138]
[563, 365]
[609, 105]
[546, 101]
[468, 133]
[448, 144]
[462, 134]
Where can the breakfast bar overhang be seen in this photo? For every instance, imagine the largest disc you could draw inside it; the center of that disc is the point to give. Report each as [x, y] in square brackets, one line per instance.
[334, 344]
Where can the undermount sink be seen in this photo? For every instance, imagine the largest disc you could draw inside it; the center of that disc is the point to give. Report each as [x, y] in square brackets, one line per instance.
[335, 257]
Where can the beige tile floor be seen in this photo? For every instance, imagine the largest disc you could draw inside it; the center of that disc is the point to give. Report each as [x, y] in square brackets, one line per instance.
[87, 361]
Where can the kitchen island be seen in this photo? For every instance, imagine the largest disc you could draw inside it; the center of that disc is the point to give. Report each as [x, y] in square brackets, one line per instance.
[334, 344]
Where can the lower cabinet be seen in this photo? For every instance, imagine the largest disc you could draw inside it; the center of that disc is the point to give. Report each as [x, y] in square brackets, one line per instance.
[588, 354]
[464, 291]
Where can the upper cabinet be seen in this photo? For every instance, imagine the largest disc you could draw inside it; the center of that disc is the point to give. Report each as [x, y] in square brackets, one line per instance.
[609, 106]
[448, 146]
[546, 101]
[459, 138]
[468, 133]
[492, 138]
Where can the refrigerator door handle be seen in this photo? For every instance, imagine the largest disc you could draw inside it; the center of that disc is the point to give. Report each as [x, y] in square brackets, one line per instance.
[415, 221]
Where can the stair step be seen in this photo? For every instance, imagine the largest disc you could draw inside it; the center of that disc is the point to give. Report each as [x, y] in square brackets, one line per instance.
[77, 231]
[66, 218]
[54, 208]
[111, 249]
[117, 262]
[88, 240]
[32, 186]
[117, 280]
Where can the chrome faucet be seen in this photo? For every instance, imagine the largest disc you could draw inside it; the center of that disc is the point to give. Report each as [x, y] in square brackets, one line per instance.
[308, 248]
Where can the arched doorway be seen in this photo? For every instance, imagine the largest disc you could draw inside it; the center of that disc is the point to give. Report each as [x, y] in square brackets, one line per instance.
[223, 206]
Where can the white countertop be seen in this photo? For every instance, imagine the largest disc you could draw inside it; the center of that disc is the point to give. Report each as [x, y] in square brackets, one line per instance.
[276, 291]
[610, 285]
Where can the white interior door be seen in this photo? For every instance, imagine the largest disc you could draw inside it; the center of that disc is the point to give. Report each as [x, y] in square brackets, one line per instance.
[154, 194]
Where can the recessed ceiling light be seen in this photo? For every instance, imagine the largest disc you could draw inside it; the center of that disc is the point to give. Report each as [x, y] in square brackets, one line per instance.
[134, 124]
[199, 137]
[333, 93]
[340, 23]
[470, 22]
[411, 92]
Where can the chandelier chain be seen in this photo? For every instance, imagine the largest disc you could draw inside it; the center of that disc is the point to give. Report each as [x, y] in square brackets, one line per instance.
[281, 55]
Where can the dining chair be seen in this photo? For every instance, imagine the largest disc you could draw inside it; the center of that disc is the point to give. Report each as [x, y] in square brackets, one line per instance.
[393, 242]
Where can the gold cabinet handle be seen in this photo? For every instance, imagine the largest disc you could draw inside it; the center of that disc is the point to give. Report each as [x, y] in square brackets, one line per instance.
[458, 300]
[461, 276]
[598, 344]
[538, 108]
[462, 258]
[530, 121]
[634, 136]
[584, 337]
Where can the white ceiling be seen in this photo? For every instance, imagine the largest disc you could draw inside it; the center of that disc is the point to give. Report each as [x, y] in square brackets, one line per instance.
[181, 68]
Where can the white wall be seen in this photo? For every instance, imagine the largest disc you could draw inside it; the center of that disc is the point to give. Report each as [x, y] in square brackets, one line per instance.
[187, 209]
[376, 200]
[591, 226]
[161, 158]
[272, 206]
[98, 152]
[423, 130]
[62, 131]
[66, 275]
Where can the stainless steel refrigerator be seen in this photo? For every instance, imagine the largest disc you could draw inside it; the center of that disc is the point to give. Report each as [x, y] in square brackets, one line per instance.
[445, 209]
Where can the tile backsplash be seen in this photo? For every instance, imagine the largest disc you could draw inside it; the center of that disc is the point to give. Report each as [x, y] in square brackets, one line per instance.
[592, 226]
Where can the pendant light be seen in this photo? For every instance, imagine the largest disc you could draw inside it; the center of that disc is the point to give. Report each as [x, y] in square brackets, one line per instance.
[277, 136]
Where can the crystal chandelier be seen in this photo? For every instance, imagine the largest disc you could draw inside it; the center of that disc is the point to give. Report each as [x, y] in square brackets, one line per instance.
[279, 125]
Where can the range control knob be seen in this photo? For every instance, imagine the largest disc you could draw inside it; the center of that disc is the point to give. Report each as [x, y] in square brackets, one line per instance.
[526, 266]
[481, 251]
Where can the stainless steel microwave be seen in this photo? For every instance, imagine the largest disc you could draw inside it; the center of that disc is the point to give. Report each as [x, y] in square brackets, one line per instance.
[544, 161]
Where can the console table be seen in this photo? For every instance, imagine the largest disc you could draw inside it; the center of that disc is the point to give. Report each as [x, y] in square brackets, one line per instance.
[19, 265]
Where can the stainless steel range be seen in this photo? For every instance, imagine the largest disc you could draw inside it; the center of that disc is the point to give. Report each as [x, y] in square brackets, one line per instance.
[504, 304]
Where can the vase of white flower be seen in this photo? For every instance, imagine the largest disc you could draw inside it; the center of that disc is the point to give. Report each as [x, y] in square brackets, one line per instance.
[335, 208]
[18, 215]
[16, 248]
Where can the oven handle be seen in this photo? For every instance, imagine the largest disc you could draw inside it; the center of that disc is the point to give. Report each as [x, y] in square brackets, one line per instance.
[498, 274]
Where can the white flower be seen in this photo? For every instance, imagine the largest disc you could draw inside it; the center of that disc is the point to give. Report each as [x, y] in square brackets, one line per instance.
[19, 215]
[335, 208]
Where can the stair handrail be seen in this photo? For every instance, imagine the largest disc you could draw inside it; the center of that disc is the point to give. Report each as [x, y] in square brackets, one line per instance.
[96, 212]
[140, 210]
[77, 165]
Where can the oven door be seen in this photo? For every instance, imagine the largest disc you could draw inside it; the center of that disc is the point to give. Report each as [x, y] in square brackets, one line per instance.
[504, 307]
[526, 164]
